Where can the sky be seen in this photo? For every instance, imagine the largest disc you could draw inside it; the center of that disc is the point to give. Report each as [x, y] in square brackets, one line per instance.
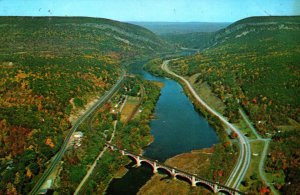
[152, 10]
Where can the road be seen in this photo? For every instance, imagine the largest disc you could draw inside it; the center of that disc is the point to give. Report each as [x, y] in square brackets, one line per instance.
[61, 152]
[249, 123]
[261, 166]
[261, 163]
[263, 154]
[243, 162]
[90, 171]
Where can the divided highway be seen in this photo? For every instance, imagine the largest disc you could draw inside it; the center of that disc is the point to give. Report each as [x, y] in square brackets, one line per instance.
[243, 162]
[61, 152]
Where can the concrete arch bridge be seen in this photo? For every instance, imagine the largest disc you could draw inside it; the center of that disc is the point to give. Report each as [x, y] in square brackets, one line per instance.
[175, 173]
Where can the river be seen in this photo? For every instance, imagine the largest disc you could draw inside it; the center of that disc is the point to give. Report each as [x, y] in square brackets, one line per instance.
[178, 128]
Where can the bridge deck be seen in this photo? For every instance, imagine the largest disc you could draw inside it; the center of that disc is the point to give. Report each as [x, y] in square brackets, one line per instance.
[176, 171]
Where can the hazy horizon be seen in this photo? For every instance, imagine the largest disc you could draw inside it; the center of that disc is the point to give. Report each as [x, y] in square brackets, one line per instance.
[151, 10]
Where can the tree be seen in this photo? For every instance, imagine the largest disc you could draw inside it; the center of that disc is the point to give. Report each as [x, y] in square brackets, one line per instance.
[233, 135]
[254, 176]
[245, 182]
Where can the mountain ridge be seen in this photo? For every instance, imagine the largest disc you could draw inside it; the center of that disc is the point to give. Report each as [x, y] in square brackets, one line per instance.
[256, 67]
[50, 69]
[202, 40]
[274, 22]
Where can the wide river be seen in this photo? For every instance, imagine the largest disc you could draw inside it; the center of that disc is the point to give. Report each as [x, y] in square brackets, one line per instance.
[178, 128]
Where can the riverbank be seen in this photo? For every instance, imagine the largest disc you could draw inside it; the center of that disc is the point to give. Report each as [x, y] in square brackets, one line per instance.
[154, 67]
[240, 171]
[175, 133]
[123, 170]
[189, 162]
[220, 165]
[133, 135]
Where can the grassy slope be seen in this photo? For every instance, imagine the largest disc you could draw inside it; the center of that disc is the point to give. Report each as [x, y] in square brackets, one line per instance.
[49, 66]
[256, 61]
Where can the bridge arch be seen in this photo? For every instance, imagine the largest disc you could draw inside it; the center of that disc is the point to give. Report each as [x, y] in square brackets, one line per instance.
[204, 184]
[194, 180]
[147, 162]
[184, 177]
[168, 171]
[132, 157]
[226, 191]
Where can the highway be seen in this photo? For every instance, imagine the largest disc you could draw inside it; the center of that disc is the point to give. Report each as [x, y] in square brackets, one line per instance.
[61, 152]
[244, 159]
[263, 154]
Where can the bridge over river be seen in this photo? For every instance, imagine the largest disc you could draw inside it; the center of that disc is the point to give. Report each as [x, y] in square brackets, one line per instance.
[176, 173]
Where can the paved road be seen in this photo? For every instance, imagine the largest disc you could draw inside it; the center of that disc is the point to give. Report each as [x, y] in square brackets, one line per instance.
[243, 163]
[61, 152]
[263, 154]
[249, 123]
[90, 171]
[261, 166]
[261, 163]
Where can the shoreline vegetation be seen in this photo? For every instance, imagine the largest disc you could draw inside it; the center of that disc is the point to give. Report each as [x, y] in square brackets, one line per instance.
[123, 170]
[51, 67]
[220, 165]
[132, 135]
[251, 66]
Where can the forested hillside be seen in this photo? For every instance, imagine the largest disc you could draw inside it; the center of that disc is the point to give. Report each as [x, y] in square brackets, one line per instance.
[202, 39]
[195, 40]
[49, 67]
[254, 64]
